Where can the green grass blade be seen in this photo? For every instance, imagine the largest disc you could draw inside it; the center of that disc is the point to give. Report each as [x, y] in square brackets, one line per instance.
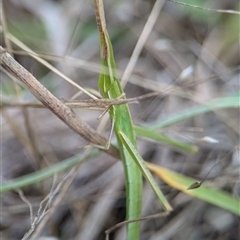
[152, 134]
[141, 164]
[216, 104]
[43, 174]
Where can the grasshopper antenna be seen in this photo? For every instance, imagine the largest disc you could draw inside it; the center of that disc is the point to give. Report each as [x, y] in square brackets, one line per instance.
[198, 184]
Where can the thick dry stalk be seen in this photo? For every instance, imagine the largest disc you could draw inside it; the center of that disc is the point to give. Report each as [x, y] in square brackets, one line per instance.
[66, 114]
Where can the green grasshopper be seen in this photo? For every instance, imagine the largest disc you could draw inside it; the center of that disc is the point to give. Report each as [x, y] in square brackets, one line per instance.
[134, 166]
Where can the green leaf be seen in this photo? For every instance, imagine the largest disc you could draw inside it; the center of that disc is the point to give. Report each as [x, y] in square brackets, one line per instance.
[148, 133]
[43, 174]
[216, 104]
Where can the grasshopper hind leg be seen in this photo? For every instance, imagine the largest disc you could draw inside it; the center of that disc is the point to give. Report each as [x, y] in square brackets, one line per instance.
[108, 143]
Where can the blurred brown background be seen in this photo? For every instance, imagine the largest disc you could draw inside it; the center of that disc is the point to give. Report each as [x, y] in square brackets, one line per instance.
[195, 52]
